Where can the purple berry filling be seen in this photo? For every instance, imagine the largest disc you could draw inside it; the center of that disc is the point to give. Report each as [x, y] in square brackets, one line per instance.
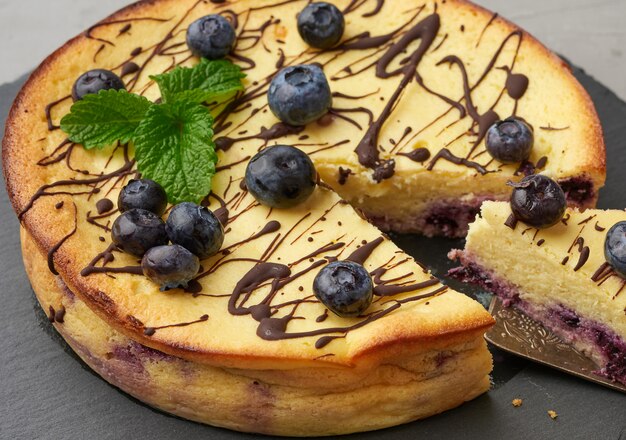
[135, 354]
[447, 218]
[450, 218]
[579, 191]
[608, 348]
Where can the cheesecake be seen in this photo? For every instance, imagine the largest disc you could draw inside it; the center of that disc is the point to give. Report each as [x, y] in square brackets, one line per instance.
[415, 88]
[558, 276]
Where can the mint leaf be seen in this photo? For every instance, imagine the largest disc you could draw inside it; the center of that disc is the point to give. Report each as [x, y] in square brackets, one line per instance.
[206, 80]
[99, 120]
[174, 146]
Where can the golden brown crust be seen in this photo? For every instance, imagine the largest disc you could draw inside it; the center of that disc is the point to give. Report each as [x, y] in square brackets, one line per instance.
[595, 157]
[22, 180]
[409, 386]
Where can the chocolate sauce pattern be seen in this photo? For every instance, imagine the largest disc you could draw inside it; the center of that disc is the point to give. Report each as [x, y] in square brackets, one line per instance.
[256, 292]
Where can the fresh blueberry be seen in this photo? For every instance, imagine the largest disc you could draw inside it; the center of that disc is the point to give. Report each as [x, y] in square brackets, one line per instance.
[94, 81]
[538, 201]
[281, 176]
[211, 37]
[344, 287]
[138, 230]
[510, 141]
[195, 228]
[615, 248]
[143, 194]
[321, 25]
[299, 94]
[170, 266]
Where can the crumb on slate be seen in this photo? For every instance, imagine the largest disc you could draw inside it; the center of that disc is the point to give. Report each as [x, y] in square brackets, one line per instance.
[517, 402]
[553, 415]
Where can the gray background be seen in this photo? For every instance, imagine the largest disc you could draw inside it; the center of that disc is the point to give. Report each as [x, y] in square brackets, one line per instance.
[590, 33]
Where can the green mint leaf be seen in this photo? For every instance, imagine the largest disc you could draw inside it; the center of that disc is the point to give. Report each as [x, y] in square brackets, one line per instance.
[206, 80]
[99, 120]
[174, 147]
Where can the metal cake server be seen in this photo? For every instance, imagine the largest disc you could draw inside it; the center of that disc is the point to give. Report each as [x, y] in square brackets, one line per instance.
[518, 334]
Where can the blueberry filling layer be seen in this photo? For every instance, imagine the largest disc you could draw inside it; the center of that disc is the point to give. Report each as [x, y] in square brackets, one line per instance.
[450, 218]
[579, 191]
[610, 345]
[609, 349]
[447, 218]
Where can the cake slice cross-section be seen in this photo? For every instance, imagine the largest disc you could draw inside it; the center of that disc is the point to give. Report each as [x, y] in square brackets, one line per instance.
[558, 276]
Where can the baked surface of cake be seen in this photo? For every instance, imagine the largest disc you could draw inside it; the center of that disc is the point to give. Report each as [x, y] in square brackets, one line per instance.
[418, 138]
[558, 276]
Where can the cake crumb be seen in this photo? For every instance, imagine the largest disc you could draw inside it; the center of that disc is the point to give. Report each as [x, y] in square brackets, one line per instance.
[553, 415]
[517, 402]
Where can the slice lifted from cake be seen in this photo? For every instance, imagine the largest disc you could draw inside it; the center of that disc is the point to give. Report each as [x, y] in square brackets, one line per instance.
[557, 276]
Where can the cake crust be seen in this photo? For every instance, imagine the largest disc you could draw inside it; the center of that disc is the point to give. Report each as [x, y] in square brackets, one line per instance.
[410, 385]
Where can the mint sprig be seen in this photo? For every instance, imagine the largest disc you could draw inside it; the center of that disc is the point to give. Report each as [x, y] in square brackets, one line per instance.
[100, 120]
[200, 83]
[174, 142]
[174, 139]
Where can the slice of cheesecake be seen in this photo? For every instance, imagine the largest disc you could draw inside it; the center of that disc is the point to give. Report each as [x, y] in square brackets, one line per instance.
[557, 276]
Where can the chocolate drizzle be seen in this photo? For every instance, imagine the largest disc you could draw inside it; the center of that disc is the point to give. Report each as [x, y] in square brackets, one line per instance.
[104, 205]
[150, 331]
[425, 31]
[344, 173]
[584, 253]
[48, 112]
[418, 155]
[53, 250]
[130, 68]
[276, 131]
[407, 45]
[511, 221]
[444, 153]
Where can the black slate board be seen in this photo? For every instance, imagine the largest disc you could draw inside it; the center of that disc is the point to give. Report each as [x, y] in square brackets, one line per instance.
[46, 392]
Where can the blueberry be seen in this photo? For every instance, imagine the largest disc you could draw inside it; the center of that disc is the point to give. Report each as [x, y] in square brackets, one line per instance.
[138, 230]
[94, 81]
[143, 194]
[510, 141]
[344, 287]
[281, 176]
[321, 25]
[615, 248]
[195, 228]
[170, 266]
[538, 201]
[211, 37]
[299, 94]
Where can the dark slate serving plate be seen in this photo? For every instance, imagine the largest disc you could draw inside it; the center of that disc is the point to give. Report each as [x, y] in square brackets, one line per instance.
[46, 392]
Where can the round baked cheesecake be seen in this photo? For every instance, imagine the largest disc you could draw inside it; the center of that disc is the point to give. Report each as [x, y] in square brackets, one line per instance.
[247, 345]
